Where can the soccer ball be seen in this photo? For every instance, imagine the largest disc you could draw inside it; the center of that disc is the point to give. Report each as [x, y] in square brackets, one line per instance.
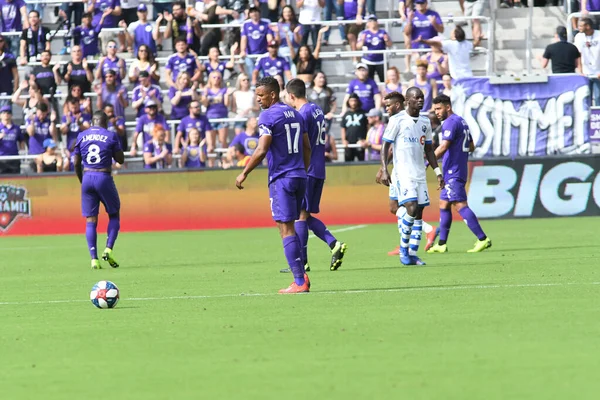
[105, 294]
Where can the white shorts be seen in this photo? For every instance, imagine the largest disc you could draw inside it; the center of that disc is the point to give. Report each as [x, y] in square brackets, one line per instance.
[475, 8]
[412, 191]
[394, 187]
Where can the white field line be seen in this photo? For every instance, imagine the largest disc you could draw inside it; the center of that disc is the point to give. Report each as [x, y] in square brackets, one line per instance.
[330, 292]
[349, 228]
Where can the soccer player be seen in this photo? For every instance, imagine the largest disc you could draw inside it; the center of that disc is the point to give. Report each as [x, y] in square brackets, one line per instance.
[285, 142]
[315, 126]
[94, 151]
[394, 106]
[410, 134]
[455, 148]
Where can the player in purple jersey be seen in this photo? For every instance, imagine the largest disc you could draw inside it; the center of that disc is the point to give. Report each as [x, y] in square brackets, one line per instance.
[316, 127]
[93, 155]
[456, 144]
[285, 143]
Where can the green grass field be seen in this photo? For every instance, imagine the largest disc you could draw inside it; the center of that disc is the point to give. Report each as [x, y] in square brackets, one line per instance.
[199, 318]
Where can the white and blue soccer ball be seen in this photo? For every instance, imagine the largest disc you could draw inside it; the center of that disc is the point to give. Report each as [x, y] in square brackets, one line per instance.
[105, 294]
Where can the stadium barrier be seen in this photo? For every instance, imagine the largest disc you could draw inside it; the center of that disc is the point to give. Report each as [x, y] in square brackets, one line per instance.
[161, 201]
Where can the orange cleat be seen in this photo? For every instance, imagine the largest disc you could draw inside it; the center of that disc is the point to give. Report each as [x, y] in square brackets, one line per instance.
[394, 252]
[293, 288]
[431, 236]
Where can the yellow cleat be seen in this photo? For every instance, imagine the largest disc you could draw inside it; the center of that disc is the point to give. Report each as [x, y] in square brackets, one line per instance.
[481, 245]
[108, 257]
[438, 248]
[96, 264]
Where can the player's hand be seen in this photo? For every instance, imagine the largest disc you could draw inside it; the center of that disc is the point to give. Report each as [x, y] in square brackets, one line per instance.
[385, 177]
[378, 176]
[239, 180]
[441, 182]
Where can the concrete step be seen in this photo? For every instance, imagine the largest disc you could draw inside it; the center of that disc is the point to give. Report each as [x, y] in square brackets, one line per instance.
[538, 12]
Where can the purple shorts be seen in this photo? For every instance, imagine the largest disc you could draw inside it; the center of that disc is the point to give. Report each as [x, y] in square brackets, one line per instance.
[312, 197]
[454, 191]
[96, 188]
[286, 196]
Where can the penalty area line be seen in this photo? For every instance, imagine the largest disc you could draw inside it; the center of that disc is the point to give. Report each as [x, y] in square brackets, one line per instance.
[326, 292]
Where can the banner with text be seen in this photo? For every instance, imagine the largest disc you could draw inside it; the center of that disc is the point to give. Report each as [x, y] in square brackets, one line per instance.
[526, 119]
[538, 187]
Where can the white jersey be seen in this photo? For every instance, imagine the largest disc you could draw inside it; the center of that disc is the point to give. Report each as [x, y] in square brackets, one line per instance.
[408, 136]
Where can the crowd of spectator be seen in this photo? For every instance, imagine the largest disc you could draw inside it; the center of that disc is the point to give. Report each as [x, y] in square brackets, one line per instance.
[113, 49]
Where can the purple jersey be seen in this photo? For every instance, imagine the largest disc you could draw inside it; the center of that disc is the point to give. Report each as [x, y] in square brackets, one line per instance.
[427, 90]
[114, 65]
[221, 67]
[145, 125]
[87, 39]
[11, 15]
[454, 163]
[193, 157]
[97, 147]
[433, 68]
[41, 132]
[374, 136]
[181, 109]
[156, 149]
[315, 126]
[74, 131]
[373, 41]
[286, 127]
[365, 91]
[178, 64]
[351, 9]
[216, 103]
[9, 138]
[138, 92]
[272, 66]
[250, 142]
[188, 123]
[421, 26]
[256, 35]
[120, 121]
[142, 34]
[593, 5]
[109, 97]
[99, 8]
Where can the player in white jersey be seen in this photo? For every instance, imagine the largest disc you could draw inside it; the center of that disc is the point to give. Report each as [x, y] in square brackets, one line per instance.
[410, 135]
[394, 106]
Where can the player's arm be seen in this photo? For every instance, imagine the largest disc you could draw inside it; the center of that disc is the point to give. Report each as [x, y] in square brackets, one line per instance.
[383, 176]
[78, 167]
[264, 142]
[442, 148]
[306, 150]
[119, 156]
[471, 144]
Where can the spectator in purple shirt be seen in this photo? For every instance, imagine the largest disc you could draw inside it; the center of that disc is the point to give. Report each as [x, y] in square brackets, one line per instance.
[11, 140]
[74, 122]
[34, 40]
[255, 35]
[145, 62]
[116, 124]
[158, 154]
[13, 19]
[182, 61]
[145, 125]
[181, 95]
[215, 64]
[271, 64]
[216, 99]
[194, 154]
[111, 63]
[248, 139]
[195, 120]
[144, 93]
[424, 23]
[100, 7]
[365, 88]
[111, 92]
[354, 10]
[373, 38]
[40, 126]
[86, 35]
[142, 32]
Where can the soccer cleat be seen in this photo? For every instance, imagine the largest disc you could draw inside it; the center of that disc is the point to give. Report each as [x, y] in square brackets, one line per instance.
[337, 254]
[481, 245]
[96, 264]
[293, 288]
[438, 248]
[416, 260]
[394, 252]
[431, 236]
[405, 258]
[307, 268]
[107, 256]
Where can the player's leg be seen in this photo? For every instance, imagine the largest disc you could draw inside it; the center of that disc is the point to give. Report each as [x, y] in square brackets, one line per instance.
[110, 198]
[407, 197]
[483, 242]
[90, 204]
[301, 227]
[417, 231]
[445, 220]
[286, 200]
[431, 233]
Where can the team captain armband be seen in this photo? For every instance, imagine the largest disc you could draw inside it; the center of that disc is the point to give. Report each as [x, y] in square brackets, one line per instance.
[264, 130]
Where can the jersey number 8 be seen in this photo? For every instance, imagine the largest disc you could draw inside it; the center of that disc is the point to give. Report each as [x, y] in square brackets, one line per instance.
[93, 156]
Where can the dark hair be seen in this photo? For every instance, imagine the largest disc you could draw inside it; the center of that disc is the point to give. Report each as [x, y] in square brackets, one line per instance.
[109, 105]
[442, 99]
[111, 72]
[240, 147]
[459, 34]
[354, 96]
[413, 91]
[180, 39]
[397, 96]
[179, 3]
[86, 15]
[312, 83]
[587, 21]
[43, 107]
[310, 53]
[72, 100]
[100, 119]
[297, 87]
[270, 83]
[561, 31]
[36, 12]
[151, 60]
[47, 51]
[293, 19]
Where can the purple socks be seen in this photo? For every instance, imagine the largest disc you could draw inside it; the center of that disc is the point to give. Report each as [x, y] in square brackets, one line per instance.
[293, 254]
[92, 236]
[472, 222]
[302, 233]
[114, 224]
[321, 231]
[445, 224]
